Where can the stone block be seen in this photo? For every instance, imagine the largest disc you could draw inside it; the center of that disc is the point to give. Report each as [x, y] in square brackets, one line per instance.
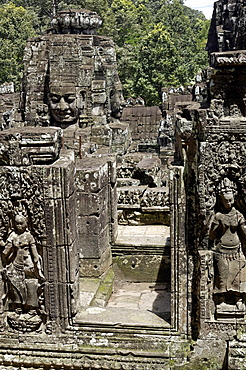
[130, 197]
[62, 264]
[128, 181]
[101, 134]
[121, 137]
[149, 164]
[71, 219]
[93, 224]
[32, 145]
[91, 175]
[98, 85]
[112, 169]
[95, 266]
[84, 39]
[59, 178]
[64, 295]
[55, 222]
[111, 160]
[85, 76]
[51, 299]
[113, 213]
[92, 203]
[93, 245]
[105, 290]
[155, 199]
[69, 132]
[99, 98]
[66, 266]
[60, 221]
[142, 268]
[73, 261]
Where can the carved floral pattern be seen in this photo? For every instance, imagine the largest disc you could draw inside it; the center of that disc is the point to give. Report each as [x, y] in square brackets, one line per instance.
[224, 157]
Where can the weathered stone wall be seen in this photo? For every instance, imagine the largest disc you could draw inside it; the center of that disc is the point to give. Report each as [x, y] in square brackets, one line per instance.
[38, 231]
[144, 122]
[9, 110]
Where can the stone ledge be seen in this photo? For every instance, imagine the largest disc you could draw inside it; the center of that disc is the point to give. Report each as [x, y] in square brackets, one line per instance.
[121, 318]
[230, 58]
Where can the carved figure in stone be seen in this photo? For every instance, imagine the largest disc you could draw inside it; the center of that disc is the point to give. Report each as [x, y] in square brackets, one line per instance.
[63, 106]
[76, 21]
[42, 116]
[227, 233]
[117, 100]
[228, 26]
[22, 273]
[7, 119]
[79, 84]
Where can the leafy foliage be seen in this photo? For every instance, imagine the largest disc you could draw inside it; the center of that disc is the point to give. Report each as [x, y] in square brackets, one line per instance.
[16, 25]
[159, 42]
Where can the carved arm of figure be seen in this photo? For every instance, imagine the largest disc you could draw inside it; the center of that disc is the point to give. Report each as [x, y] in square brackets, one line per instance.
[217, 227]
[242, 233]
[8, 252]
[36, 258]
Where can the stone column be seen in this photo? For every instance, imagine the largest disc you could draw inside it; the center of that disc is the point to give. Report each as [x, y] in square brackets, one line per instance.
[38, 230]
[97, 213]
[180, 278]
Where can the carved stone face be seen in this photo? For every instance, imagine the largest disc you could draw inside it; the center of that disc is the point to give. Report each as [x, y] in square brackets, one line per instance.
[20, 224]
[227, 200]
[117, 102]
[63, 107]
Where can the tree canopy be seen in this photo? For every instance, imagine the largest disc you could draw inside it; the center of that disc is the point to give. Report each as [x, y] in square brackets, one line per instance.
[159, 43]
[16, 25]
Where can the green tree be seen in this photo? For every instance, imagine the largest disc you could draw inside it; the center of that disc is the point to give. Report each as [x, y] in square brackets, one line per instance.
[169, 51]
[16, 25]
[157, 64]
[185, 26]
[131, 21]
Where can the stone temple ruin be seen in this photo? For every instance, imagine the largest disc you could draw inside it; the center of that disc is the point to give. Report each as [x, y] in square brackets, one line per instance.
[116, 252]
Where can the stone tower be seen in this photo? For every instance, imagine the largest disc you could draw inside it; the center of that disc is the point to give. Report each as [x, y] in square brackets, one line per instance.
[71, 80]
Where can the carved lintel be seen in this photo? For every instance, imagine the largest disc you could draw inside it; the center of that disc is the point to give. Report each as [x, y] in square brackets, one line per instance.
[30, 145]
[232, 58]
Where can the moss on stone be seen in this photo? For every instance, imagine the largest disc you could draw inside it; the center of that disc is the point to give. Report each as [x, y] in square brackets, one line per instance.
[143, 268]
[200, 364]
[104, 290]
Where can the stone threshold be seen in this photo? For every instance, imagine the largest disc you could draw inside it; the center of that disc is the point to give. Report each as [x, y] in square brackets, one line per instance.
[121, 318]
[147, 239]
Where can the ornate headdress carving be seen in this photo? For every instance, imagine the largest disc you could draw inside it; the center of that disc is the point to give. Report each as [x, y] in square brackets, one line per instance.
[19, 209]
[227, 186]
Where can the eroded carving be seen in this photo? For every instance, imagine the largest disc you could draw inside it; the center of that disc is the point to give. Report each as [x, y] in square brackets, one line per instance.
[79, 83]
[226, 233]
[63, 106]
[22, 231]
[227, 30]
[117, 100]
[23, 277]
[76, 21]
[157, 197]
[130, 197]
[222, 155]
